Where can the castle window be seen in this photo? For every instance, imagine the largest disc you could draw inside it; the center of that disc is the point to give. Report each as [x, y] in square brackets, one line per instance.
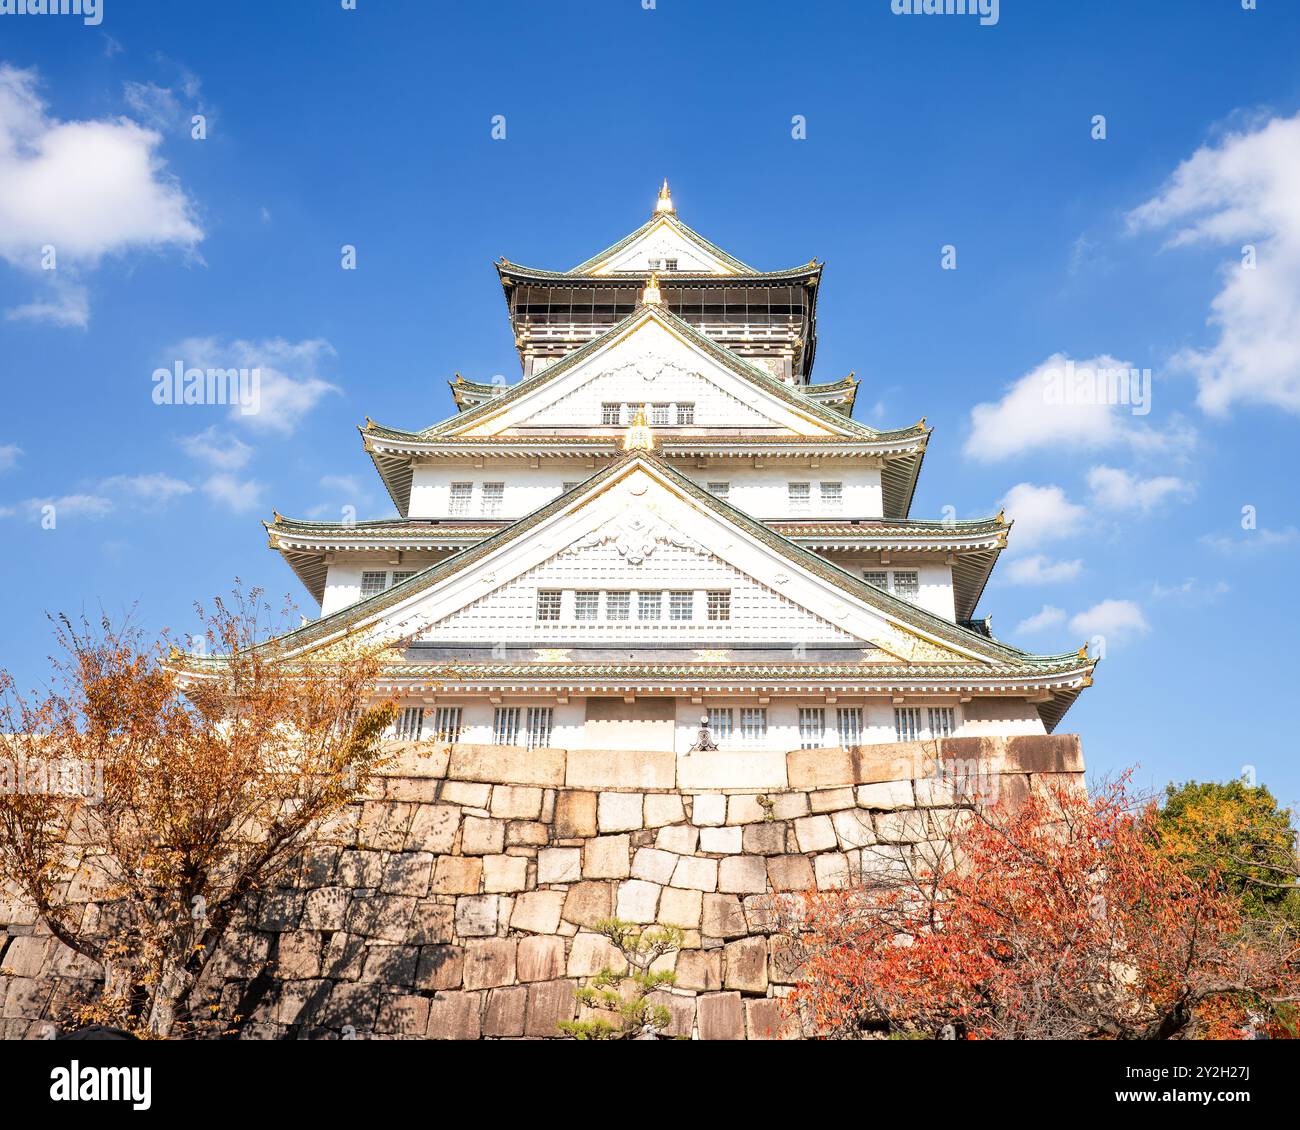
[461, 493]
[719, 605]
[567, 487]
[539, 726]
[812, 727]
[685, 415]
[798, 495]
[505, 726]
[753, 724]
[877, 578]
[720, 490]
[586, 605]
[832, 495]
[410, 722]
[404, 575]
[942, 722]
[493, 493]
[907, 723]
[618, 605]
[670, 264]
[848, 724]
[659, 415]
[548, 605]
[446, 724]
[720, 724]
[681, 606]
[373, 583]
[611, 414]
[907, 584]
[649, 605]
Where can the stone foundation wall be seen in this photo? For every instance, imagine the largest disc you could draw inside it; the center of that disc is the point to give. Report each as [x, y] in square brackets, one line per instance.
[458, 902]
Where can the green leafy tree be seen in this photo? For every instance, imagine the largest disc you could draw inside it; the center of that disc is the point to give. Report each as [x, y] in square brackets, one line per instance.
[623, 997]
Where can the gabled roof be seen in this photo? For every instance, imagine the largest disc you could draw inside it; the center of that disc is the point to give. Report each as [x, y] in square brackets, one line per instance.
[669, 222]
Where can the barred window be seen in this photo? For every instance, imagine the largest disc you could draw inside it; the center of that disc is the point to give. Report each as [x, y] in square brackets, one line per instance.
[539, 726]
[446, 724]
[848, 724]
[720, 723]
[685, 414]
[372, 583]
[798, 495]
[505, 725]
[753, 724]
[720, 490]
[832, 495]
[907, 723]
[941, 722]
[812, 727]
[548, 604]
[405, 574]
[649, 605]
[410, 722]
[670, 264]
[618, 605]
[659, 415]
[567, 487]
[907, 584]
[681, 606]
[876, 578]
[586, 605]
[493, 493]
[461, 493]
[719, 604]
[611, 414]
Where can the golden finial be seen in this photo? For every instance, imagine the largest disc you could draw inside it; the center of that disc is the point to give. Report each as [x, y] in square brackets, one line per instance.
[277, 516]
[639, 436]
[1002, 516]
[921, 422]
[665, 201]
[1083, 652]
[651, 296]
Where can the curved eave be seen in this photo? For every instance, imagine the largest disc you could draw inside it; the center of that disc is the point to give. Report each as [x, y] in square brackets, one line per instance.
[513, 273]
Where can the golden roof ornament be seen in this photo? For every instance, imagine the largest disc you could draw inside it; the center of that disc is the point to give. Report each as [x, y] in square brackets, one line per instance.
[639, 436]
[665, 202]
[651, 296]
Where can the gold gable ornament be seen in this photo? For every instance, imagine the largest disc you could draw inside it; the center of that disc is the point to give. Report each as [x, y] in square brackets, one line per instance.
[651, 296]
[639, 436]
[665, 202]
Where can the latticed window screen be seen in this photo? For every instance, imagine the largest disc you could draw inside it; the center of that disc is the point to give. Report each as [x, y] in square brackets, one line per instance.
[685, 414]
[753, 724]
[720, 723]
[848, 723]
[660, 415]
[568, 487]
[618, 605]
[461, 493]
[832, 495]
[410, 723]
[877, 578]
[907, 723]
[812, 727]
[372, 583]
[681, 606]
[798, 495]
[649, 605]
[670, 264]
[446, 724]
[720, 490]
[505, 725]
[539, 726]
[405, 574]
[942, 722]
[586, 605]
[611, 414]
[907, 584]
[493, 493]
[548, 604]
[719, 604]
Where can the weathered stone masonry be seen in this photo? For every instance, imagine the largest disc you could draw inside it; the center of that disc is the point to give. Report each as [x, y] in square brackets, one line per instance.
[458, 902]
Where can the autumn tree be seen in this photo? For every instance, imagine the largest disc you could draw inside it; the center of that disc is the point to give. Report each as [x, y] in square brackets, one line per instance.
[172, 788]
[1059, 920]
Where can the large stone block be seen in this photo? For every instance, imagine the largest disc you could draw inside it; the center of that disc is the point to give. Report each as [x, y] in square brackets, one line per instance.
[351, 1006]
[720, 841]
[559, 865]
[767, 838]
[456, 875]
[467, 794]
[505, 874]
[832, 870]
[828, 800]
[732, 769]
[742, 874]
[815, 833]
[489, 962]
[540, 959]
[853, 827]
[663, 808]
[590, 953]
[575, 814]
[432, 923]
[638, 901]
[885, 796]
[384, 825]
[723, 917]
[621, 769]
[694, 873]
[407, 873]
[455, 1016]
[765, 1019]
[720, 1016]
[700, 970]
[818, 768]
[477, 915]
[549, 1003]
[504, 1015]
[527, 833]
[607, 857]
[403, 1015]
[679, 838]
[680, 908]
[744, 965]
[681, 1010]
[620, 812]
[26, 956]
[480, 836]
[588, 903]
[516, 802]
[440, 967]
[653, 865]
[392, 966]
[324, 909]
[508, 765]
[386, 917]
[298, 955]
[360, 868]
[538, 912]
[433, 828]
[744, 808]
[708, 810]
[790, 873]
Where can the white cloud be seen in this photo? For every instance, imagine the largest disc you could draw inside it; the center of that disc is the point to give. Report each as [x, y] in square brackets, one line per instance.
[1115, 489]
[1191, 590]
[239, 495]
[64, 506]
[1251, 541]
[1048, 616]
[225, 452]
[9, 453]
[66, 303]
[1245, 189]
[154, 489]
[1040, 570]
[1059, 405]
[1041, 514]
[144, 492]
[1113, 619]
[289, 386]
[86, 188]
[155, 105]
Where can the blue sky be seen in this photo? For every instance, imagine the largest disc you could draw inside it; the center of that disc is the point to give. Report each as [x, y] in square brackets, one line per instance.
[372, 127]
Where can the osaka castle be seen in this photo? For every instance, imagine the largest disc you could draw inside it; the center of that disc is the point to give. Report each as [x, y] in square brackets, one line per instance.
[665, 530]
